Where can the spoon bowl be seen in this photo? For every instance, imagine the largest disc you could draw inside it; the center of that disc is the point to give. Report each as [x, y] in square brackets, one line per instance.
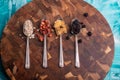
[28, 28]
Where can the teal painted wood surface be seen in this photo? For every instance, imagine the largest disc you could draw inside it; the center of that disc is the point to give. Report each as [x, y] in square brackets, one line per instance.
[109, 8]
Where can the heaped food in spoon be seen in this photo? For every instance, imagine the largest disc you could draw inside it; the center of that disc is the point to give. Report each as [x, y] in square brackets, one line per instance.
[60, 27]
[28, 31]
[28, 28]
[45, 28]
[75, 27]
[74, 30]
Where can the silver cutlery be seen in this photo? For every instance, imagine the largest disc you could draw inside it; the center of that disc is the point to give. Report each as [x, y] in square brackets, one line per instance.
[28, 31]
[77, 61]
[61, 59]
[45, 65]
[75, 29]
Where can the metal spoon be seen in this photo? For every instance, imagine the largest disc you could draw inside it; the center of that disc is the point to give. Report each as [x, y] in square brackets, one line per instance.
[61, 61]
[45, 32]
[77, 61]
[45, 65]
[75, 29]
[60, 28]
[28, 31]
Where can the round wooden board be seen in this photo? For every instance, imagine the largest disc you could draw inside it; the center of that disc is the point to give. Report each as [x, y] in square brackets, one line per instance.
[95, 52]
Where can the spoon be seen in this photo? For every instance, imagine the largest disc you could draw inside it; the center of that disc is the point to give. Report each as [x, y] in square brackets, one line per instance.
[45, 65]
[77, 61]
[75, 29]
[61, 59]
[60, 28]
[28, 31]
[45, 29]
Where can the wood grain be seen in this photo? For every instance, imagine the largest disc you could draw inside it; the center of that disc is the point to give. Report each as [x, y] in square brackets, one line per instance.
[95, 52]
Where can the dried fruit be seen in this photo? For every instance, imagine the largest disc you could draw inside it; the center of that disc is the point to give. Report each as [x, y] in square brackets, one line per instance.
[45, 28]
[85, 14]
[67, 37]
[83, 26]
[80, 41]
[60, 27]
[40, 37]
[75, 27]
[89, 33]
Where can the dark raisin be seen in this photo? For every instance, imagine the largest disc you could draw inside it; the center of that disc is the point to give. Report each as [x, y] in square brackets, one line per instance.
[89, 33]
[85, 14]
[83, 26]
[67, 37]
[81, 22]
[79, 41]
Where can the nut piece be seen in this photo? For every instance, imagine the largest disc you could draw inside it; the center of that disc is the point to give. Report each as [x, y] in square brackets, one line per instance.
[45, 28]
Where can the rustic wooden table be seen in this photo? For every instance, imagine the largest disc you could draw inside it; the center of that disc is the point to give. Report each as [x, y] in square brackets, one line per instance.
[95, 52]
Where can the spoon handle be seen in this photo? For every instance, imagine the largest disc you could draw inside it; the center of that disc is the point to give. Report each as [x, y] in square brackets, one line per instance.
[27, 61]
[61, 61]
[77, 62]
[45, 53]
